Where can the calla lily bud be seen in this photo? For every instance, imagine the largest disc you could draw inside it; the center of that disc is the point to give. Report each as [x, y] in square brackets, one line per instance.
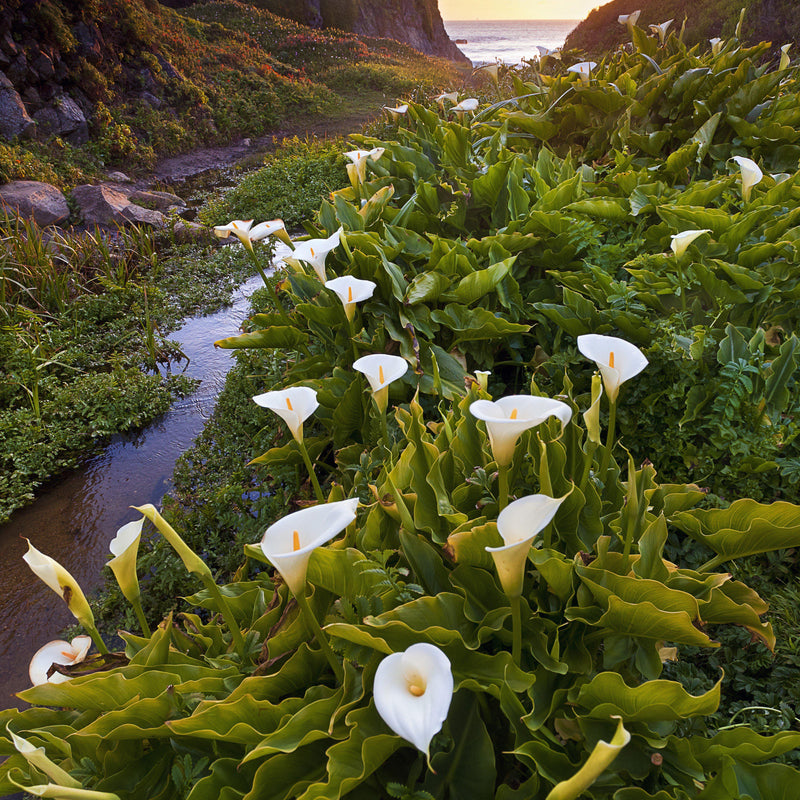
[294, 406]
[37, 758]
[602, 755]
[57, 652]
[482, 376]
[381, 370]
[62, 583]
[592, 415]
[125, 547]
[190, 559]
[583, 69]
[751, 175]
[351, 291]
[519, 523]
[289, 542]
[314, 252]
[784, 57]
[509, 417]
[413, 691]
[680, 241]
[617, 360]
[716, 45]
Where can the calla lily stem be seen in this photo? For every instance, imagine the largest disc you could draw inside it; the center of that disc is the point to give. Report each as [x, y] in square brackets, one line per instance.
[502, 486]
[313, 475]
[319, 634]
[516, 628]
[612, 424]
[137, 607]
[227, 615]
[97, 639]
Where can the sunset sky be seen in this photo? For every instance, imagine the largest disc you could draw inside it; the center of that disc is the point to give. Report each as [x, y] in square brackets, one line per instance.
[517, 9]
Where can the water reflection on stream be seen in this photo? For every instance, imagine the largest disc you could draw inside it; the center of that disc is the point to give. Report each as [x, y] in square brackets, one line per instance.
[75, 519]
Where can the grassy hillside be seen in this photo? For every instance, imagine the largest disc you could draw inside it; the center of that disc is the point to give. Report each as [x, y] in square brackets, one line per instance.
[154, 81]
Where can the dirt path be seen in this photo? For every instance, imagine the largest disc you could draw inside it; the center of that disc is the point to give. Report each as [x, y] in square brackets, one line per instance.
[178, 169]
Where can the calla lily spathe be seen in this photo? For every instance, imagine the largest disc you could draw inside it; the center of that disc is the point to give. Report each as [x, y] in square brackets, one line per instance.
[57, 652]
[125, 547]
[289, 542]
[716, 45]
[751, 175]
[661, 30]
[470, 105]
[507, 418]
[583, 69]
[358, 169]
[450, 97]
[314, 252]
[396, 113]
[518, 524]
[381, 370]
[413, 691]
[247, 234]
[617, 360]
[350, 291]
[629, 19]
[62, 583]
[680, 241]
[293, 405]
[785, 60]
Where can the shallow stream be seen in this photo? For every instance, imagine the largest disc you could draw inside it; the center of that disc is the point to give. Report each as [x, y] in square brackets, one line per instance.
[77, 516]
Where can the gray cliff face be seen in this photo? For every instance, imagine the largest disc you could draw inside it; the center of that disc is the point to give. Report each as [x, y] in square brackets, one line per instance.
[417, 23]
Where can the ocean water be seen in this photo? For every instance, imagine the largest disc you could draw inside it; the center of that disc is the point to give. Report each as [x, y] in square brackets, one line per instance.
[509, 41]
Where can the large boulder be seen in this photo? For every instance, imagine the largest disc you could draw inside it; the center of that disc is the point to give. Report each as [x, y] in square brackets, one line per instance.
[42, 202]
[105, 206]
[14, 118]
[63, 118]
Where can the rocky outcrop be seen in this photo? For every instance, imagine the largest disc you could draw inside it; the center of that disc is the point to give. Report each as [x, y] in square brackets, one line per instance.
[415, 22]
[42, 202]
[105, 206]
[14, 118]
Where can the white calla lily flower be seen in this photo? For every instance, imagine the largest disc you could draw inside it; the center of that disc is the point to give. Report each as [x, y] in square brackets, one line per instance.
[519, 523]
[629, 19]
[381, 370]
[293, 405]
[785, 60]
[359, 159]
[350, 291]
[716, 45]
[661, 30]
[545, 52]
[57, 652]
[62, 583]
[509, 417]
[125, 547]
[450, 97]
[413, 691]
[314, 252]
[751, 175]
[617, 360]
[289, 542]
[467, 106]
[244, 231]
[396, 113]
[680, 241]
[482, 376]
[583, 70]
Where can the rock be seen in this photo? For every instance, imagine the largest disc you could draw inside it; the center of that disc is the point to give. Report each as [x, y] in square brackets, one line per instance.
[167, 69]
[63, 118]
[143, 216]
[31, 97]
[102, 205]
[42, 66]
[42, 202]
[118, 177]
[159, 200]
[151, 100]
[185, 231]
[89, 40]
[18, 70]
[14, 118]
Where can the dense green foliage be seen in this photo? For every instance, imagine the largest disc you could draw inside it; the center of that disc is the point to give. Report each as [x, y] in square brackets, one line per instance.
[492, 243]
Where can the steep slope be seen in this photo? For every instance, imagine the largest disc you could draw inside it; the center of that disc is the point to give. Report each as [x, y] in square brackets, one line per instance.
[773, 21]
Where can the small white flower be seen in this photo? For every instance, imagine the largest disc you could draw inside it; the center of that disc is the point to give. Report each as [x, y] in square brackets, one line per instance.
[396, 113]
[380, 371]
[583, 69]
[125, 547]
[751, 175]
[57, 652]
[350, 291]
[629, 19]
[716, 45]
[680, 241]
[412, 692]
[314, 252]
[662, 29]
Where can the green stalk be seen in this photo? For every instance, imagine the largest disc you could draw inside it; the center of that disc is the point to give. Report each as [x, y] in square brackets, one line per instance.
[319, 634]
[712, 563]
[311, 474]
[516, 628]
[502, 481]
[352, 327]
[612, 424]
[137, 607]
[227, 615]
[97, 639]
[385, 431]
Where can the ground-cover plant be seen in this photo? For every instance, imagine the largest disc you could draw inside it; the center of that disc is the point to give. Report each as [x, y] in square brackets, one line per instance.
[546, 666]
